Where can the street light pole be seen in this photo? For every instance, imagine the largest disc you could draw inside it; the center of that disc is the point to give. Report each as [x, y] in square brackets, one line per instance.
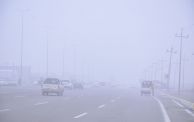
[47, 54]
[181, 36]
[162, 71]
[21, 49]
[21, 45]
[63, 62]
[171, 51]
[154, 71]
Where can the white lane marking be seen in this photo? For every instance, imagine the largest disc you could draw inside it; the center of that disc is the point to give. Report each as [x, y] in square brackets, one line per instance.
[112, 101]
[4, 110]
[19, 96]
[189, 112]
[177, 103]
[165, 115]
[80, 115]
[101, 106]
[41, 103]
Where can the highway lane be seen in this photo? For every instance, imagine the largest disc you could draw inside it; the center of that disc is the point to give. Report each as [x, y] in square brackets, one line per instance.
[177, 111]
[88, 105]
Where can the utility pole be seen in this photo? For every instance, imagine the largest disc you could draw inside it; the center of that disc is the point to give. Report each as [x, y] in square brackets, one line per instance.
[151, 73]
[183, 74]
[63, 62]
[154, 71]
[145, 74]
[21, 49]
[181, 36]
[21, 45]
[75, 60]
[162, 71]
[47, 46]
[171, 51]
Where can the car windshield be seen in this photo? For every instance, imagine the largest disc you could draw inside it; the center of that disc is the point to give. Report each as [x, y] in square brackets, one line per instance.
[65, 81]
[51, 81]
[96, 60]
[146, 84]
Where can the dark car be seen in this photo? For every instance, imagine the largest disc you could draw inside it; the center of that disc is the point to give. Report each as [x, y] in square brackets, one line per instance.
[77, 85]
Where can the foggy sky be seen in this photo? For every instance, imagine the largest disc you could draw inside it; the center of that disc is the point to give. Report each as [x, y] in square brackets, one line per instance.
[101, 39]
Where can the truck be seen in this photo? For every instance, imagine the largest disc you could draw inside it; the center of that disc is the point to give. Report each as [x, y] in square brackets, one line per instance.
[147, 88]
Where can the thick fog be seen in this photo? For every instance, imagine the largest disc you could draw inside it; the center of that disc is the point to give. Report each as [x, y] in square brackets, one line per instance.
[101, 40]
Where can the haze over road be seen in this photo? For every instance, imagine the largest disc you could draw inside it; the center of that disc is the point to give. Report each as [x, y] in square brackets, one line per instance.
[101, 104]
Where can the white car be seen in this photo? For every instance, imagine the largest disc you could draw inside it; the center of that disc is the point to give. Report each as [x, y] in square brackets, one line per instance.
[52, 85]
[8, 82]
[67, 84]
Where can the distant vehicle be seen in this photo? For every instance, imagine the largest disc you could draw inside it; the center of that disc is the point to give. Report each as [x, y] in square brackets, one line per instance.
[147, 88]
[52, 85]
[36, 83]
[77, 85]
[67, 84]
[9, 76]
[8, 82]
[101, 83]
[3, 83]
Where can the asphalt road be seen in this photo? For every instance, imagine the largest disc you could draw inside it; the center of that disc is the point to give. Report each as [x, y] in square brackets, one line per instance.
[100, 104]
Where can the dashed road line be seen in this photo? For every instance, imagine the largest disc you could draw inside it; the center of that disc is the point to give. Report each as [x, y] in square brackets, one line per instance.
[4, 110]
[80, 115]
[177, 103]
[41, 103]
[189, 112]
[101, 106]
[165, 115]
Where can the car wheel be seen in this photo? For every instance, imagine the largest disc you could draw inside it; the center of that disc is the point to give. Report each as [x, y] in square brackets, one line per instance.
[43, 93]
